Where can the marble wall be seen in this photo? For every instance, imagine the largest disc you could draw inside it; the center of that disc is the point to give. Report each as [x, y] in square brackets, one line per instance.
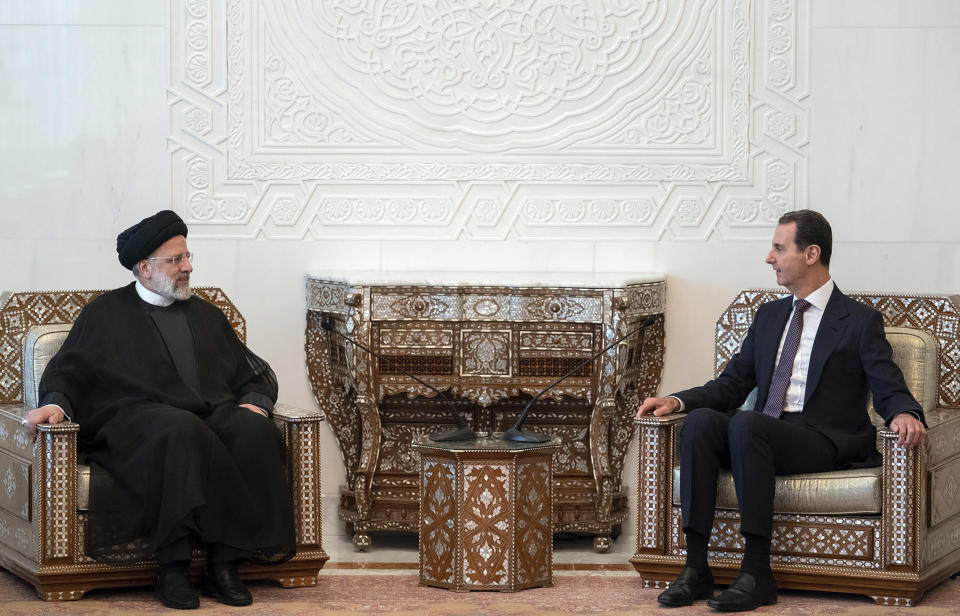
[111, 110]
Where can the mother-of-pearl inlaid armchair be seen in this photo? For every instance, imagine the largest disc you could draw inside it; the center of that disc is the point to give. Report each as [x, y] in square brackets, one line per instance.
[43, 488]
[890, 532]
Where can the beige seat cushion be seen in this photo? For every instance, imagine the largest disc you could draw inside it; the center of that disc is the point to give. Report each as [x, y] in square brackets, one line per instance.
[849, 492]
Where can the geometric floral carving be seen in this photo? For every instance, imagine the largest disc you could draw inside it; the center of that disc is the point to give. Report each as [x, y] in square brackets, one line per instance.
[533, 531]
[375, 414]
[437, 504]
[486, 353]
[486, 525]
[485, 515]
[690, 116]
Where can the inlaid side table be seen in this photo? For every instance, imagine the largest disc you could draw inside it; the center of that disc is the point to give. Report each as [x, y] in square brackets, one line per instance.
[485, 514]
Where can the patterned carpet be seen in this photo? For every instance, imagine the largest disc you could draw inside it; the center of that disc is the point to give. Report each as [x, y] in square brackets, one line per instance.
[361, 593]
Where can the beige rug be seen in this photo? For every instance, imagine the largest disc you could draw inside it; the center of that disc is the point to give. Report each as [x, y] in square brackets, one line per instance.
[360, 593]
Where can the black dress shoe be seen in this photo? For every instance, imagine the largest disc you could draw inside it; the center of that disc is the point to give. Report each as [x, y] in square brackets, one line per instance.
[222, 582]
[688, 586]
[175, 590]
[746, 593]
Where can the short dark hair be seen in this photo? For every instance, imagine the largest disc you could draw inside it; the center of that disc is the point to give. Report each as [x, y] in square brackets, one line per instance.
[812, 228]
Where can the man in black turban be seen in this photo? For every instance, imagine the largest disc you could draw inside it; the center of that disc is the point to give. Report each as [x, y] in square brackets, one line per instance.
[174, 414]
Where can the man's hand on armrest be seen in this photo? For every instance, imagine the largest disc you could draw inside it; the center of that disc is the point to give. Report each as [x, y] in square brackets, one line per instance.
[50, 414]
[255, 409]
[909, 429]
[659, 406]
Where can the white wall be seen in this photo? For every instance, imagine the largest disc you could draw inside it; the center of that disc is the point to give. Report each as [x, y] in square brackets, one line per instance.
[86, 120]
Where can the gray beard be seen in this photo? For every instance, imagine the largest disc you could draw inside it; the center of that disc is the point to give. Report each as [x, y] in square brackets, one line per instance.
[167, 288]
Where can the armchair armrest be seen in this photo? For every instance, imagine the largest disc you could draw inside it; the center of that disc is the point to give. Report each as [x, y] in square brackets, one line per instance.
[905, 471]
[55, 467]
[657, 442]
[301, 433]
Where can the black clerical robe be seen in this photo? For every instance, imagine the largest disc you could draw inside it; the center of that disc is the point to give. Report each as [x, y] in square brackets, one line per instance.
[156, 393]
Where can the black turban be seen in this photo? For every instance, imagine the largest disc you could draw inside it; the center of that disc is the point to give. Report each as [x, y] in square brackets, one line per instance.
[141, 239]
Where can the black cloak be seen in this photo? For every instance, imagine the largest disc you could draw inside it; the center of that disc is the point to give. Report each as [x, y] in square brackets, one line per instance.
[172, 456]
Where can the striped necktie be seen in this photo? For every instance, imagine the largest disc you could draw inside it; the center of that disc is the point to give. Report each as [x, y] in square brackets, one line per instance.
[781, 376]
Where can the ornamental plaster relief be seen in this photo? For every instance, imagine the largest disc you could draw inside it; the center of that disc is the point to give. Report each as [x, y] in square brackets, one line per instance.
[581, 119]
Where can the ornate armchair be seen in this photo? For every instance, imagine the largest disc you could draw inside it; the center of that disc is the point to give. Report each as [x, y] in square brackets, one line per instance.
[890, 533]
[43, 488]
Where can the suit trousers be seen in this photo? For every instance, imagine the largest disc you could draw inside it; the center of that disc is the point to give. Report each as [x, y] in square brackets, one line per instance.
[755, 448]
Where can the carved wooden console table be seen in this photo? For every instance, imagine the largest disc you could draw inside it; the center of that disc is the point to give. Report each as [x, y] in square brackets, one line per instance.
[492, 347]
[485, 514]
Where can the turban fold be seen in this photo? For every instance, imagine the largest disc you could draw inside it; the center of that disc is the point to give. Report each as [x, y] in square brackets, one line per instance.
[141, 239]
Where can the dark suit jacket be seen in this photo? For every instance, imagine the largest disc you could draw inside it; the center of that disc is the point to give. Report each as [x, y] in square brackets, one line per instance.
[850, 355]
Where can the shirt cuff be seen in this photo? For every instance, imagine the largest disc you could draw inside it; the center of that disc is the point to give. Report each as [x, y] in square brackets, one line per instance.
[682, 405]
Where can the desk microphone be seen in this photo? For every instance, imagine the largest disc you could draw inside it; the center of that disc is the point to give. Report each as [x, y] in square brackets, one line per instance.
[461, 433]
[516, 435]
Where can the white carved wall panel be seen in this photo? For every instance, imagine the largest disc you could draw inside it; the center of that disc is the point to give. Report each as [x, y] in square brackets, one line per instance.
[488, 119]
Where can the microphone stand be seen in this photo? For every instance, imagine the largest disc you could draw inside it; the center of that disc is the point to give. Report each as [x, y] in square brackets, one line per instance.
[461, 433]
[516, 435]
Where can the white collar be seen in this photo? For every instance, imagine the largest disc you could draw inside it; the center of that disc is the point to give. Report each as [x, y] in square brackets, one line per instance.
[821, 296]
[150, 297]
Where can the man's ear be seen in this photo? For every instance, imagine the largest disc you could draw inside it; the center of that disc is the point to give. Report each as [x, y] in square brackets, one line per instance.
[812, 254]
[143, 267]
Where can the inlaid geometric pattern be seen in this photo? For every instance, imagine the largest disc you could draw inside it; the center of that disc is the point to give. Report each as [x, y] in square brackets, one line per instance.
[441, 333]
[899, 511]
[485, 515]
[945, 492]
[395, 453]
[801, 539]
[533, 532]
[15, 486]
[486, 525]
[485, 120]
[437, 502]
[485, 353]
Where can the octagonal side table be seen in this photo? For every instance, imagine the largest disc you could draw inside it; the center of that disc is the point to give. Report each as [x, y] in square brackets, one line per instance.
[485, 514]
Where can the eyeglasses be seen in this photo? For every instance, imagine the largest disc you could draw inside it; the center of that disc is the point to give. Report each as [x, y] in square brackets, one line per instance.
[176, 259]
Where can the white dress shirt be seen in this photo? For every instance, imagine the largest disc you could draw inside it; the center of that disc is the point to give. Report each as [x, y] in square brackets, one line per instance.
[801, 361]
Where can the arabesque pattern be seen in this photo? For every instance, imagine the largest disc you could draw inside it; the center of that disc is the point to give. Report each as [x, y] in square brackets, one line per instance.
[489, 349]
[487, 120]
[485, 514]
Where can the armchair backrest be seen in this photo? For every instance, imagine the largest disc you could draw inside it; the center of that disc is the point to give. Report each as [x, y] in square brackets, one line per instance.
[915, 351]
[924, 331]
[40, 345]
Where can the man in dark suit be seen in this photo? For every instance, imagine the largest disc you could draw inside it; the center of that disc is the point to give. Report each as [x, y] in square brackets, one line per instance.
[813, 358]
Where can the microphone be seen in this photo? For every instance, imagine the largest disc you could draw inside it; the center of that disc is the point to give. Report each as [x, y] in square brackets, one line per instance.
[516, 435]
[461, 433]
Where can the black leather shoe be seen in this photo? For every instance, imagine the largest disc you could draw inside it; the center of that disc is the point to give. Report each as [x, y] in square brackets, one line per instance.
[175, 590]
[746, 593]
[688, 586]
[222, 582]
